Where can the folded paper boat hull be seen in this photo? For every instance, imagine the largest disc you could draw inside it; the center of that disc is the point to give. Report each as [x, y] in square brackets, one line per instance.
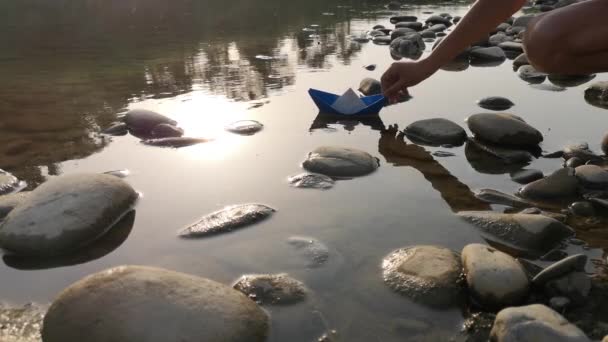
[324, 101]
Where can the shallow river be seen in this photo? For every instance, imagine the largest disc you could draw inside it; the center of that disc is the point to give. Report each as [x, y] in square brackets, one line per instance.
[67, 71]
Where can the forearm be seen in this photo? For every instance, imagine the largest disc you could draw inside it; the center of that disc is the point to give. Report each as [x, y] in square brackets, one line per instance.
[482, 18]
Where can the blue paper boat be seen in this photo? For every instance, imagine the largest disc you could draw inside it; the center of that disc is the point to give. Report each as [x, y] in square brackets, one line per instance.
[325, 100]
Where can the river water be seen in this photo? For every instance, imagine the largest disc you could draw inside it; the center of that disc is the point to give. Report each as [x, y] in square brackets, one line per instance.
[70, 69]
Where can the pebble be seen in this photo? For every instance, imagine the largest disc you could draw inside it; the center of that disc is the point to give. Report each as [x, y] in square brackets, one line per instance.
[245, 127]
[592, 176]
[151, 304]
[369, 86]
[116, 129]
[401, 32]
[497, 197]
[313, 250]
[534, 323]
[574, 162]
[166, 131]
[340, 162]
[559, 186]
[526, 176]
[436, 132]
[311, 181]
[143, 121]
[547, 87]
[174, 142]
[582, 208]
[494, 278]
[529, 74]
[228, 219]
[66, 213]
[407, 46]
[438, 28]
[437, 19]
[559, 303]
[271, 289]
[520, 60]
[575, 286]
[503, 129]
[488, 54]
[570, 80]
[403, 18]
[428, 34]
[495, 103]
[597, 95]
[370, 67]
[503, 27]
[427, 274]
[382, 40]
[574, 263]
[414, 25]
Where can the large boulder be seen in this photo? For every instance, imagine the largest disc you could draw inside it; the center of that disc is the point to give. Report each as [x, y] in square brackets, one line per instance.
[494, 278]
[427, 274]
[65, 214]
[436, 131]
[534, 323]
[504, 129]
[340, 162]
[135, 303]
[527, 233]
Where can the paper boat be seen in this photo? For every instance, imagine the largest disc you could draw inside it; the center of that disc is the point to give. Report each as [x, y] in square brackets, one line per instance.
[325, 101]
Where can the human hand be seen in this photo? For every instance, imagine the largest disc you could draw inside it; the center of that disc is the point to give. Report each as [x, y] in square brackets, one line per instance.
[402, 75]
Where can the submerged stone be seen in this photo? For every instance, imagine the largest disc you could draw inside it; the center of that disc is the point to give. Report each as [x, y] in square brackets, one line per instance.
[574, 263]
[340, 162]
[175, 142]
[430, 275]
[526, 176]
[570, 80]
[495, 279]
[141, 120]
[245, 127]
[560, 186]
[165, 130]
[313, 250]
[497, 197]
[436, 132]
[548, 87]
[65, 214]
[529, 74]
[505, 154]
[9, 183]
[228, 219]
[597, 94]
[370, 86]
[495, 103]
[151, 304]
[504, 129]
[271, 289]
[116, 129]
[311, 181]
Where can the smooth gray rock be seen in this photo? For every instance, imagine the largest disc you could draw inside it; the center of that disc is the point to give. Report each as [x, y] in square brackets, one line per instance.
[534, 323]
[409, 46]
[559, 186]
[512, 46]
[271, 289]
[437, 131]
[153, 305]
[570, 80]
[166, 131]
[428, 34]
[582, 208]
[314, 251]
[524, 232]
[344, 162]
[523, 20]
[370, 67]
[401, 32]
[526, 176]
[503, 129]
[456, 19]
[575, 286]
[438, 28]
[499, 38]
[580, 151]
[430, 275]
[592, 176]
[370, 86]
[487, 54]
[529, 74]
[574, 263]
[497, 197]
[9, 183]
[495, 279]
[403, 18]
[597, 95]
[65, 214]
[174, 142]
[495, 103]
[245, 127]
[10, 201]
[503, 27]
[520, 60]
[437, 19]
[311, 181]
[141, 120]
[116, 129]
[382, 40]
[228, 219]
[414, 25]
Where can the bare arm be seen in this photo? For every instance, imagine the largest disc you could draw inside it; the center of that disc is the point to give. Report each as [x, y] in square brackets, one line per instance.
[482, 18]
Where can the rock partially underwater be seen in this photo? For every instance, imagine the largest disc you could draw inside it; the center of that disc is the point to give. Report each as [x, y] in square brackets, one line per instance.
[271, 289]
[228, 219]
[340, 162]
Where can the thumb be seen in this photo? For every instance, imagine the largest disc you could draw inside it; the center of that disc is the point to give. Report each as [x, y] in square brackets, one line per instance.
[394, 89]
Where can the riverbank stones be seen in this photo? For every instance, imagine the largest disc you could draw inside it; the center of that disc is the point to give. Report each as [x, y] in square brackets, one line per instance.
[511, 46]
[523, 20]
[436, 132]
[311, 181]
[495, 103]
[528, 233]
[65, 214]
[409, 45]
[370, 86]
[438, 19]
[403, 18]
[570, 80]
[141, 120]
[228, 219]
[151, 304]
[414, 25]
[495, 279]
[340, 162]
[574, 263]
[575, 286]
[504, 129]
[526, 176]
[9, 183]
[520, 60]
[487, 54]
[498, 38]
[245, 127]
[534, 323]
[314, 251]
[271, 289]
[592, 176]
[430, 275]
[597, 94]
[497, 197]
[529, 74]
[174, 142]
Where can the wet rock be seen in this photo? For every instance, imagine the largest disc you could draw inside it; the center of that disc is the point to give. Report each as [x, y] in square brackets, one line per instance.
[141, 120]
[529, 74]
[228, 219]
[403, 18]
[437, 19]
[441, 34]
[503, 129]
[370, 86]
[152, 304]
[494, 278]
[9, 202]
[409, 46]
[597, 94]
[376, 33]
[554, 255]
[592, 176]
[497, 197]
[401, 32]
[574, 263]
[340, 162]
[9, 183]
[382, 40]
[515, 31]
[506, 155]
[602, 203]
[438, 28]
[456, 19]
[65, 214]
[547, 87]
[559, 303]
[175, 142]
[523, 20]
[311, 181]
[486, 158]
[575, 286]
[580, 151]
[526, 176]
[378, 27]
[532, 211]
[313, 250]
[119, 173]
[166, 131]
[427, 274]
[116, 129]
[570, 80]
[370, 67]
[534, 323]
[502, 27]
[491, 54]
[605, 144]
[574, 162]
[582, 208]
[443, 154]
[21, 323]
[271, 289]
[512, 46]
[428, 34]
[393, 5]
[559, 186]
[520, 60]
[415, 25]
[495, 103]
[245, 127]
[522, 232]
[437, 131]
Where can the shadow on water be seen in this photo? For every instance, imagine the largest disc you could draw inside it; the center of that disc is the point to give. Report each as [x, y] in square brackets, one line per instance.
[98, 249]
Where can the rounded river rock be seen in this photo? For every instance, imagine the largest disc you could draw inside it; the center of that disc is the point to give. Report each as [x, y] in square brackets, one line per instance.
[436, 131]
[227, 220]
[504, 129]
[273, 289]
[340, 162]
